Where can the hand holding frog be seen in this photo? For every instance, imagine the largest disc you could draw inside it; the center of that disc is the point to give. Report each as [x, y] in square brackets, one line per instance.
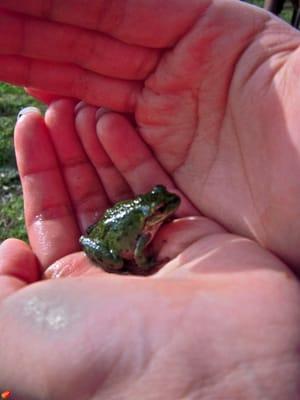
[221, 307]
[213, 82]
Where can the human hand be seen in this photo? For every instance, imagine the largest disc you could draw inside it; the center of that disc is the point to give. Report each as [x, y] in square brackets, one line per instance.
[208, 84]
[221, 318]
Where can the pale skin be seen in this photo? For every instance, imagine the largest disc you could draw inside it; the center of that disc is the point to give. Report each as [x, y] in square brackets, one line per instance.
[221, 318]
[216, 98]
[231, 151]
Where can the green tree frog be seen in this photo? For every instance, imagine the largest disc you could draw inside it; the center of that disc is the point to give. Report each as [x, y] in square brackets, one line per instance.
[118, 241]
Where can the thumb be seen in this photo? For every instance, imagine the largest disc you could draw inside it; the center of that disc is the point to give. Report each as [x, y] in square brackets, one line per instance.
[18, 266]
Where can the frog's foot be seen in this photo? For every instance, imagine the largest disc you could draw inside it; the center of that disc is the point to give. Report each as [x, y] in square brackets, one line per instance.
[103, 257]
[150, 266]
[142, 266]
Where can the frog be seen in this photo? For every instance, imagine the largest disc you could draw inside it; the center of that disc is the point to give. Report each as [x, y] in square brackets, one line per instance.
[119, 240]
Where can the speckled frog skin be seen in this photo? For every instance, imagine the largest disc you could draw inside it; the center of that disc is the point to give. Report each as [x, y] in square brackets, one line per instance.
[117, 242]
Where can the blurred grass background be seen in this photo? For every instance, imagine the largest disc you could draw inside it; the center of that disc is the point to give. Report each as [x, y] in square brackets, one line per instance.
[13, 99]
[286, 13]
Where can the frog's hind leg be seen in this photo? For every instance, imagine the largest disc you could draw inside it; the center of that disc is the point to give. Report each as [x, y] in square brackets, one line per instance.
[142, 263]
[97, 252]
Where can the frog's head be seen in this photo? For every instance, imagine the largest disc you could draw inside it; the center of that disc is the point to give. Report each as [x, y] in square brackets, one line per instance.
[162, 204]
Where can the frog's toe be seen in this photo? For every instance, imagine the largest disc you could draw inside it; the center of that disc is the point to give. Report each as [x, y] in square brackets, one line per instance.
[145, 268]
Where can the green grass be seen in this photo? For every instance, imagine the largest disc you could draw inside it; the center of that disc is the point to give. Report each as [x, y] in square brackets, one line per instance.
[12, 99]
[286, 13]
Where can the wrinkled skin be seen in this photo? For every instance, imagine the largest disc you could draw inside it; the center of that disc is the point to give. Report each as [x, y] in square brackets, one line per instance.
[231, 153]
[221, 319]
[218, 86]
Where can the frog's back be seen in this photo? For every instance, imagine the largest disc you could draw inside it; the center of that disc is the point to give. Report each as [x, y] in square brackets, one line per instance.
[121, 213]
[120, 226]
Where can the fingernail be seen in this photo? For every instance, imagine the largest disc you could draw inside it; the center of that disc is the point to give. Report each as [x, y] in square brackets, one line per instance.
[101, 111]
[28, 110]
[79, 106]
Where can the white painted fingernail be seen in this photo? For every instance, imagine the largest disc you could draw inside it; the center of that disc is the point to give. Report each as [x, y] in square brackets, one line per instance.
[28, 110]
[101, 111]
[79, 106]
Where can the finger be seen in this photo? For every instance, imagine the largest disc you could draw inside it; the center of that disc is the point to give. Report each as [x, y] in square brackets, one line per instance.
[92, 51]
[218, 253]
[175, 237]
[68, 80]
[76, 264]
[18, 266]
[44, 97]
[152, 23]
[52, 228]
[84, 187]
[17, 260]
[115, 185]
[133, 159]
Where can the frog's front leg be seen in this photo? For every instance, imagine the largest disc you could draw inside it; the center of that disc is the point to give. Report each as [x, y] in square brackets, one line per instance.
[142, 263]
[107, 259]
